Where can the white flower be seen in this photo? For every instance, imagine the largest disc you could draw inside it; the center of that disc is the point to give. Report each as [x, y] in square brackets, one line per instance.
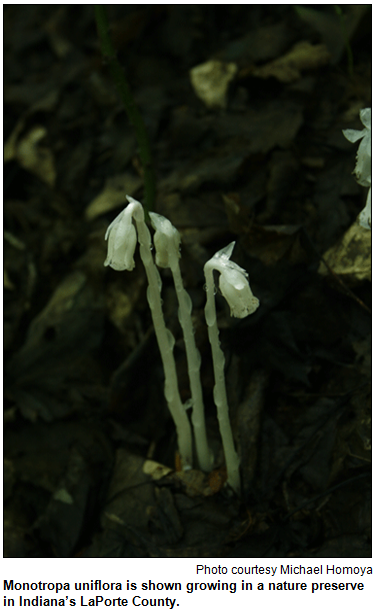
[235, 288]
[363, 166]
[362, 169]
[166, 240]
[122, 240]
[234, 284]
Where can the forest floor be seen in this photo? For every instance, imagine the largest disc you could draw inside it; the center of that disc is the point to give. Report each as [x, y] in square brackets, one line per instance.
[90, 466]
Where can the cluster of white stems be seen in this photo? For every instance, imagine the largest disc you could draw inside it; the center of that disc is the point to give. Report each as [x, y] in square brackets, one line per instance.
[122, 237]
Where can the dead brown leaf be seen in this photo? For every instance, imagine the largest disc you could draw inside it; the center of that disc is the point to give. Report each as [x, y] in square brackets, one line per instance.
[288, 68]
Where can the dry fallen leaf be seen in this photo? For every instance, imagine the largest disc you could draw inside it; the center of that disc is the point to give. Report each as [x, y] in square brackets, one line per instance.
[350, 258]
[211, 80]
[114, 193]
[30, 153]
[155, 470]
[288, 68]
[196, 483]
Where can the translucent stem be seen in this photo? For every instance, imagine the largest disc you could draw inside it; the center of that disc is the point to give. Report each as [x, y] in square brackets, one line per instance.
[205, 456]
[220, 393]
[164, 338]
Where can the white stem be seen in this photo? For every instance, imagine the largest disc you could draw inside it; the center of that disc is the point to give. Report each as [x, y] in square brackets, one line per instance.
[205, 456]
[220, 393]
[164, 338]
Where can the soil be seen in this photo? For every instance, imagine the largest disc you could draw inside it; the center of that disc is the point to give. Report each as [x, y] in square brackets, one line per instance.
[91, 464]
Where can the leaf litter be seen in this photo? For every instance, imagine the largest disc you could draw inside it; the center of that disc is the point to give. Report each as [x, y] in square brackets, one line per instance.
[90, 465]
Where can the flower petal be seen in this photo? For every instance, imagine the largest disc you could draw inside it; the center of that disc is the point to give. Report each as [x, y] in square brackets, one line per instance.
[236, 290]
[353, 135]
[122, 240]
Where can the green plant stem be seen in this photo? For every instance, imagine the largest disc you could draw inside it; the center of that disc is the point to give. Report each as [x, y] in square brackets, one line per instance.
[349, 53]
[131, 108]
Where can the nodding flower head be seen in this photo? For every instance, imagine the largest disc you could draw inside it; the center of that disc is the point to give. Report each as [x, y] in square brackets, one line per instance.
[166, 240]
[363, 166]
[235, 288]
[234, 284]
[122, 240]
